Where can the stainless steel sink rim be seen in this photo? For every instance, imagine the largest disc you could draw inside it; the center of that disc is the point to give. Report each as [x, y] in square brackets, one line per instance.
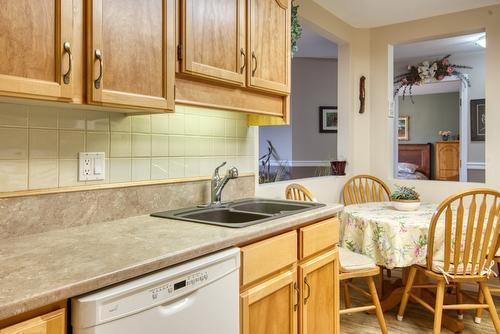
[182, 214]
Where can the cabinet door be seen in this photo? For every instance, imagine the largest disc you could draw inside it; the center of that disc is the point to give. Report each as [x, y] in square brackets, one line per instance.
[448, 161]
[319, 298]
[213, 39]
[271, 306]
[269, 45]
[131, 60]
[35, 47]
[51, 323]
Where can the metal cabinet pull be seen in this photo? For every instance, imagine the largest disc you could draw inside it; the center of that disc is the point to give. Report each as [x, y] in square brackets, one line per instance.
[98, 56]
[243, 54]
[254, 58]
[296, 305]
[67, 75]
[306, 282]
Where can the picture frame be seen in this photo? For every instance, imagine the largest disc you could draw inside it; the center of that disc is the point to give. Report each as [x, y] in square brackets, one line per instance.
[328, 119]
[404, 128]
[478, 120]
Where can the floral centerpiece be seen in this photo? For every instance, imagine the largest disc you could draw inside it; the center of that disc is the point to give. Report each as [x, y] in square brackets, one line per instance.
[405, 198]
[445, 135]
[427, 72]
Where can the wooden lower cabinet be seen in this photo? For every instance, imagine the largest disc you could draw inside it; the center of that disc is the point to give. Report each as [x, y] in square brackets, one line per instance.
[50, 323]
[292, 289]
[271, 306]
[319, 298]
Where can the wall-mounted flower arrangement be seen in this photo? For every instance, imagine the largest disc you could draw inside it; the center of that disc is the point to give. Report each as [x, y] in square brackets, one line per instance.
[427, 72]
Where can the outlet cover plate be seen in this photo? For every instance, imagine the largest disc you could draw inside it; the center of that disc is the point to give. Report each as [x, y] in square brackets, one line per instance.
[91, 166]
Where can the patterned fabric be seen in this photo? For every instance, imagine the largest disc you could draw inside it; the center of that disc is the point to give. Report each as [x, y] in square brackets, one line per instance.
[392, 238]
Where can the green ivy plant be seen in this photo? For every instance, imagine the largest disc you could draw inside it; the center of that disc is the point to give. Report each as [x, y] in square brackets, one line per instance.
[405, 193]
[296, 30]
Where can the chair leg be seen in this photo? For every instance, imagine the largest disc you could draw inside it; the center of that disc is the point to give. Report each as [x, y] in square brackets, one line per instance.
[347, 295]
[491, 305]
[406, 294]
[378, 308]
[459, 300]
[380, 281]
[479, 311]
[438, 310]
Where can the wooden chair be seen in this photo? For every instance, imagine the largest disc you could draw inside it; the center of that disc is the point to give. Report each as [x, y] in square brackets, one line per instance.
[364, 189]
[479, 312]
[352, 265]
[470, 244]
[298, 192]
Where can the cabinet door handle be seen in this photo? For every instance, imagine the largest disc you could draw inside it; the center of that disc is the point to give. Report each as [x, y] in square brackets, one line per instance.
[67, 75]
[243, 54]
[306, 282]
[98, 56]
[254, 59]
[296, 305]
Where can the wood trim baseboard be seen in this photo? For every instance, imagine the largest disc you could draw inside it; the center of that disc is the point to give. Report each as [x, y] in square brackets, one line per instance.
[37, 192]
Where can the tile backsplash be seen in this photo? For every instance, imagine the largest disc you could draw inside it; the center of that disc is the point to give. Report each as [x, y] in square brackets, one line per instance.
[39, 145]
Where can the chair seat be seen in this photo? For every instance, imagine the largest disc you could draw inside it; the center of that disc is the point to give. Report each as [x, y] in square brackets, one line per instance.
[351, 261]
[438, 267]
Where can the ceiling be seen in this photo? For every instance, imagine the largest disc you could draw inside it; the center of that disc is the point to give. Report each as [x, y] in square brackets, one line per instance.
[438, 47]
[313, 45]
[375, 13]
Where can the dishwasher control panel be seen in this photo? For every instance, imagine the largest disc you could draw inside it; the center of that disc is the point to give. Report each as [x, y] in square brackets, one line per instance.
[165, 290]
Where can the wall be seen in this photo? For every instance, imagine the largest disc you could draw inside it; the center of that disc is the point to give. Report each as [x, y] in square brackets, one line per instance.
[429, 115]
[39, 145]
[354, 128]
[314, 84]
[381, 143]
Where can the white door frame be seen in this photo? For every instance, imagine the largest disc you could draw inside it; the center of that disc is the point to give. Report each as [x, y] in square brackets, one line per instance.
[464, 122]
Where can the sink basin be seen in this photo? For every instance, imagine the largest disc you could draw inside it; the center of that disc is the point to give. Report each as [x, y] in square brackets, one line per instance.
[240, 213]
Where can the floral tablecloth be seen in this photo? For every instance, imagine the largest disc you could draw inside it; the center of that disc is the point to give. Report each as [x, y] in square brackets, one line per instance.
[394, 239]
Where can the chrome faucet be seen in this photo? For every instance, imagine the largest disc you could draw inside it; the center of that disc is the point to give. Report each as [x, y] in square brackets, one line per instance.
[218, 184]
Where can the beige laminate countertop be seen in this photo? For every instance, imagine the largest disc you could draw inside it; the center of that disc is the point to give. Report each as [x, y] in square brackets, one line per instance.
[40, 269]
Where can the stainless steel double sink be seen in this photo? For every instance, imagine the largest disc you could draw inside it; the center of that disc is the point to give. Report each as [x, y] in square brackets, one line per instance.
[240, 213]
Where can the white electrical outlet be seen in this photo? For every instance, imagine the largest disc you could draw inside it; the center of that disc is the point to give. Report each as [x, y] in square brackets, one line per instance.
[91, 166]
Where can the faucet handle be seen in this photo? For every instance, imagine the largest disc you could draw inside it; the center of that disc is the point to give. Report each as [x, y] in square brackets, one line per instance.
[232, 173]
[216, 171]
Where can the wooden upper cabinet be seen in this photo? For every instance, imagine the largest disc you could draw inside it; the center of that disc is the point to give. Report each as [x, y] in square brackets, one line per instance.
[269, 45]
[35, 48]
[131, 53]
[213, 39]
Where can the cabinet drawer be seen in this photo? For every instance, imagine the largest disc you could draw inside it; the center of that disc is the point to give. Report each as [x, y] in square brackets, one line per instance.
[318, 237]
[50, 323]
[267, 256]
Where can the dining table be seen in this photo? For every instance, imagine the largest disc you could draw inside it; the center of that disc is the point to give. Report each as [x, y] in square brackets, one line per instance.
[394, 240]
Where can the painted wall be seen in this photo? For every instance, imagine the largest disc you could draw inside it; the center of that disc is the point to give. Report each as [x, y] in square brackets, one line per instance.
[39, 145]
[430, 114]
[367, 141]
[381, 145]
[314, 84]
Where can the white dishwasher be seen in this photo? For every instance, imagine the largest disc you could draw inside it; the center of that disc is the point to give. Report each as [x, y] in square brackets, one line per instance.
[199, 296]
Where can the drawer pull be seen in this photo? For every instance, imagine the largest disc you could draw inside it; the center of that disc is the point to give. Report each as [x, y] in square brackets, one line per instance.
[254, 58]
[98, 56]
[243, 54]
[296, 306]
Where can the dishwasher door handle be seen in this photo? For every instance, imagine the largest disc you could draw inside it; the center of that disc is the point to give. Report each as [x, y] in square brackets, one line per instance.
[177, 305]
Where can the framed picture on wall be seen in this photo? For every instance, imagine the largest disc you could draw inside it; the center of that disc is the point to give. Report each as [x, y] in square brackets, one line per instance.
[403, 128]
[328, 119]
[478, 120]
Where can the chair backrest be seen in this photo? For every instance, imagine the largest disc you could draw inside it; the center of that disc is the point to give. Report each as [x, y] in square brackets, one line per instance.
[471, 231]
[298, 192]
[365, 188]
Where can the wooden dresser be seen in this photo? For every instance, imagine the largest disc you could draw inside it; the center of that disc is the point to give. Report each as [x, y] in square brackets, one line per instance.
[447, 162]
